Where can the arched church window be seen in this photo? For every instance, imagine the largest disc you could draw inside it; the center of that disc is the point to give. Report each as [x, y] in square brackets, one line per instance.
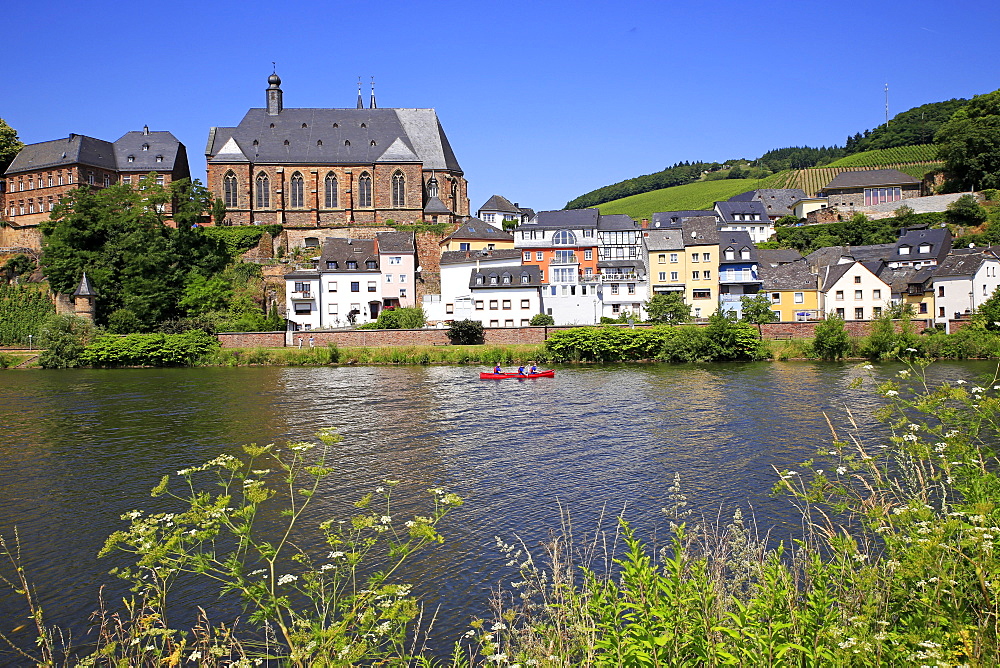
[330, 191]
[263, 191]
[364, 189]
[298, 191]
[398, 189]
[230, 190]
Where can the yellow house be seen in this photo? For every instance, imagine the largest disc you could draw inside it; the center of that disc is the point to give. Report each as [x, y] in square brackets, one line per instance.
[475, 235]
[700, 265]
[793, 291]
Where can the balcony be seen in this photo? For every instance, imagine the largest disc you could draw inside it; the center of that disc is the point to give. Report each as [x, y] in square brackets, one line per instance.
[304, 294]
[739, 277]
[568, 258]
[617, 278]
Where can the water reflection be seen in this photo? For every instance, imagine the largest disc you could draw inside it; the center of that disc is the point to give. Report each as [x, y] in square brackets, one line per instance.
[81, 447]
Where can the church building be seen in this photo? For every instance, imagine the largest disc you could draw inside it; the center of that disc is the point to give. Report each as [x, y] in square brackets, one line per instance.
[335, 167]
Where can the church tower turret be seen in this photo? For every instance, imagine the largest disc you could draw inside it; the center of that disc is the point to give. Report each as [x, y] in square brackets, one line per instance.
[274, 104]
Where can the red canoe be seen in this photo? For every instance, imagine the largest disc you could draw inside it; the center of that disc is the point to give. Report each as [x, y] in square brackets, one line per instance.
[502, 376]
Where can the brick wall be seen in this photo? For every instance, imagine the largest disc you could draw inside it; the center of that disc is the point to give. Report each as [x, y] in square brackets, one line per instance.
[252, 339]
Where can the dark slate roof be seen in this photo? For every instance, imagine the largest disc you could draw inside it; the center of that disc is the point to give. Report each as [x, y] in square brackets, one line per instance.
[459, 257]
[75, 149]
[778, 256]
[499, 203]
[960, 265]
[833, 273]
[675, 218]
[898, 279]
[737, 240]
[532, 271]
[159, 143]
[618, 221]
[871, 177]
[86, 289]
[830, 255]
[727, 209]
[938, 238]
[792, 276]
[527, 212]
[435, 205]
[569, 219]
[777, 201]
[700, 231]
[335, 136]
[634, 262]
[341, 250]
[664, 239]
[476, 229]
[396, 242]
[302, 273]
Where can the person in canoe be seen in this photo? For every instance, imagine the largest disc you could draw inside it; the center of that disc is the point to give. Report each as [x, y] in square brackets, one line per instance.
[520, 370]
[497, 369]
[533, 369]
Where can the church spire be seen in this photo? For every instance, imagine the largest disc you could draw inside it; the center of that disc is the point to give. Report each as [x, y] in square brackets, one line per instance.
[373, 106]
[361, 103]
[274, 103]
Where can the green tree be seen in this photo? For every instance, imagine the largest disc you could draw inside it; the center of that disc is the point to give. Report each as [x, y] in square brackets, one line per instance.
[64, 338]
[542, 320]
[966, 211]
[757, 310]
[988, 313]
[668, 308]
[219, 211]
[832, 340]
[135, 261]
[465, 332]
[204, 294]
[969, 144]
[9, 145]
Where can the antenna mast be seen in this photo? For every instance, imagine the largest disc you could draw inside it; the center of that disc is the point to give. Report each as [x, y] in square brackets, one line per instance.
[887, 104]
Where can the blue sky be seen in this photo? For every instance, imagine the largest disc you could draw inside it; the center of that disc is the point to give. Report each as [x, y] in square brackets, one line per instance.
[542, 101]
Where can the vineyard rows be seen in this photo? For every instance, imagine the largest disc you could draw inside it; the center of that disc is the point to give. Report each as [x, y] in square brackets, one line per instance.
[889, 156]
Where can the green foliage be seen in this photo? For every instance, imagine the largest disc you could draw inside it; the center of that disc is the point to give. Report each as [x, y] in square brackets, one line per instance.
[729, 340]
[241, 238]
[204, 294]
[916, 126]
[889, 156]
[64, 338]
[23, 309]
[668, 309]
[832, 341]
[117, 236]
[10, 145]
[465, 332]
[19, 265]
[799, 157]
[757, 310]
[156, 350]
[987, 314]
[859, 231]
[969, 144]
[124, 321]
[275, 322]
[542, 320]
[401, 318]
[218, 212]
[885, 342]
[966, 211]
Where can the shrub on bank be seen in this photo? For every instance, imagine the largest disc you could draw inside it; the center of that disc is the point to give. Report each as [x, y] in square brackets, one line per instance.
[149, 349]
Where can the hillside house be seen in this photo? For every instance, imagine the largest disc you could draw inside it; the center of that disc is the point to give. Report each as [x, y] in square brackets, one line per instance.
[870, 186]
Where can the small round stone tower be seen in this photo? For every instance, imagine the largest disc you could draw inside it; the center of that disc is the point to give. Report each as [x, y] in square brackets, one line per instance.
[83, 298]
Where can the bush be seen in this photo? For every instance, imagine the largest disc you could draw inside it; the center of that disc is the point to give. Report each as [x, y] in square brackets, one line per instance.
[401, 318]
[542, 320]
[64, 338]
[23, 309]
[149, 349]
[466, 333]
[124, 321]
[832, 341]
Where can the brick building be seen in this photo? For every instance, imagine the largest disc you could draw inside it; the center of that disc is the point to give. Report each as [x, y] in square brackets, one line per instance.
[42, 174]
[871, 186]
[334, 167]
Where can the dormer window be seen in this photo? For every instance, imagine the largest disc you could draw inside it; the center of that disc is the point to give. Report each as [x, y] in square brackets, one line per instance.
[351, 264]
[145, 147]
[159, 158]
[525, 279]
[336, 125]
[364, 125]
[371, 264]
[319, 142]
[505, 279]
[493, 279]
[286, 142]
[479, 280]
[730, 254]
[272, 126]
[347, 142]
[131, 158]
[304, 126]
[904, 250]
[925, 248]
[744, 253]
[373, 142]
[256, 143]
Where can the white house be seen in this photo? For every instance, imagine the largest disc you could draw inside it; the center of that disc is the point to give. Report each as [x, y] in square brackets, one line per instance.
[397, 252]
[854, 291]
[963, 281]
[506, 296]
[455, 299]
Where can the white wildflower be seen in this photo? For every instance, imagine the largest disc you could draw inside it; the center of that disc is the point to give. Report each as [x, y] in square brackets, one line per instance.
[287, 578]
[892, 393]
[386, 519]
[841, 470]
[379, 490]
[911, 350]
[335, 555]
[961, 382]
[868, 367]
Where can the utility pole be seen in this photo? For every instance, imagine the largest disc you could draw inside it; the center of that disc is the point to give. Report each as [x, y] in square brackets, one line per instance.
[887, 104]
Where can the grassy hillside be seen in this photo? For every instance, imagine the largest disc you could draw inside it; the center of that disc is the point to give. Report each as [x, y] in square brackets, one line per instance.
[700, 195]
[889, 156]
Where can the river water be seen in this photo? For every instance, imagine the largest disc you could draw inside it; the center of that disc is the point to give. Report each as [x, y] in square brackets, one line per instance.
[80, 447]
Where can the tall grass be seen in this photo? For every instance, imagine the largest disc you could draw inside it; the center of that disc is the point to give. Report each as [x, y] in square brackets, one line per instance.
[410, 355]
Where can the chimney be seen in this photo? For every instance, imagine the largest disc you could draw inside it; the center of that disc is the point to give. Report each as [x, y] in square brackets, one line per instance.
[645, 223]
[516, 205]
[145, 129]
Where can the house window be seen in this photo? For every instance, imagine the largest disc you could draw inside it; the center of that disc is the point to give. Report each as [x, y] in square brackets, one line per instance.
[332, 286]
[479, 280]
[479, 304]
[330, 191]
[904, 250]
[398, 189]
[539, 256]
[616, 308]
[587, 234]
[839, 295]
[449, 308]
[857, 279]
[614, 288]
[744, 253]
[303, 307]
[364, 190]
[131, 158]
[940, 291]
[494, 304]
[402, 292]
[508, 323]
[673, 276]
[858, 294]
[298, 198]
[662, 276]
[876, 311]
[229, 190]
[494, 323]
[370, 264]
[730, 254]
[563, 238]
[388, 278]
[396, 259]
[923, 307]
[588, 254]
[527, 254]
[695, 275]
[876, 294]
[351, 264]
[525, 322]
[694, 257]
[372, 287]
[506, 304]
[798, 297]
[859, 313]
[331, 309]
[263, 191]
[661, 258]
[301, 287]
[706, 274]
[840, 313]
[525, 303]
[159, 179]
[706, 257]
[775, 297]
[924, 249]
[355, 286]
[631, 288]
[701, 294]
[940, 311]
[673, 257]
